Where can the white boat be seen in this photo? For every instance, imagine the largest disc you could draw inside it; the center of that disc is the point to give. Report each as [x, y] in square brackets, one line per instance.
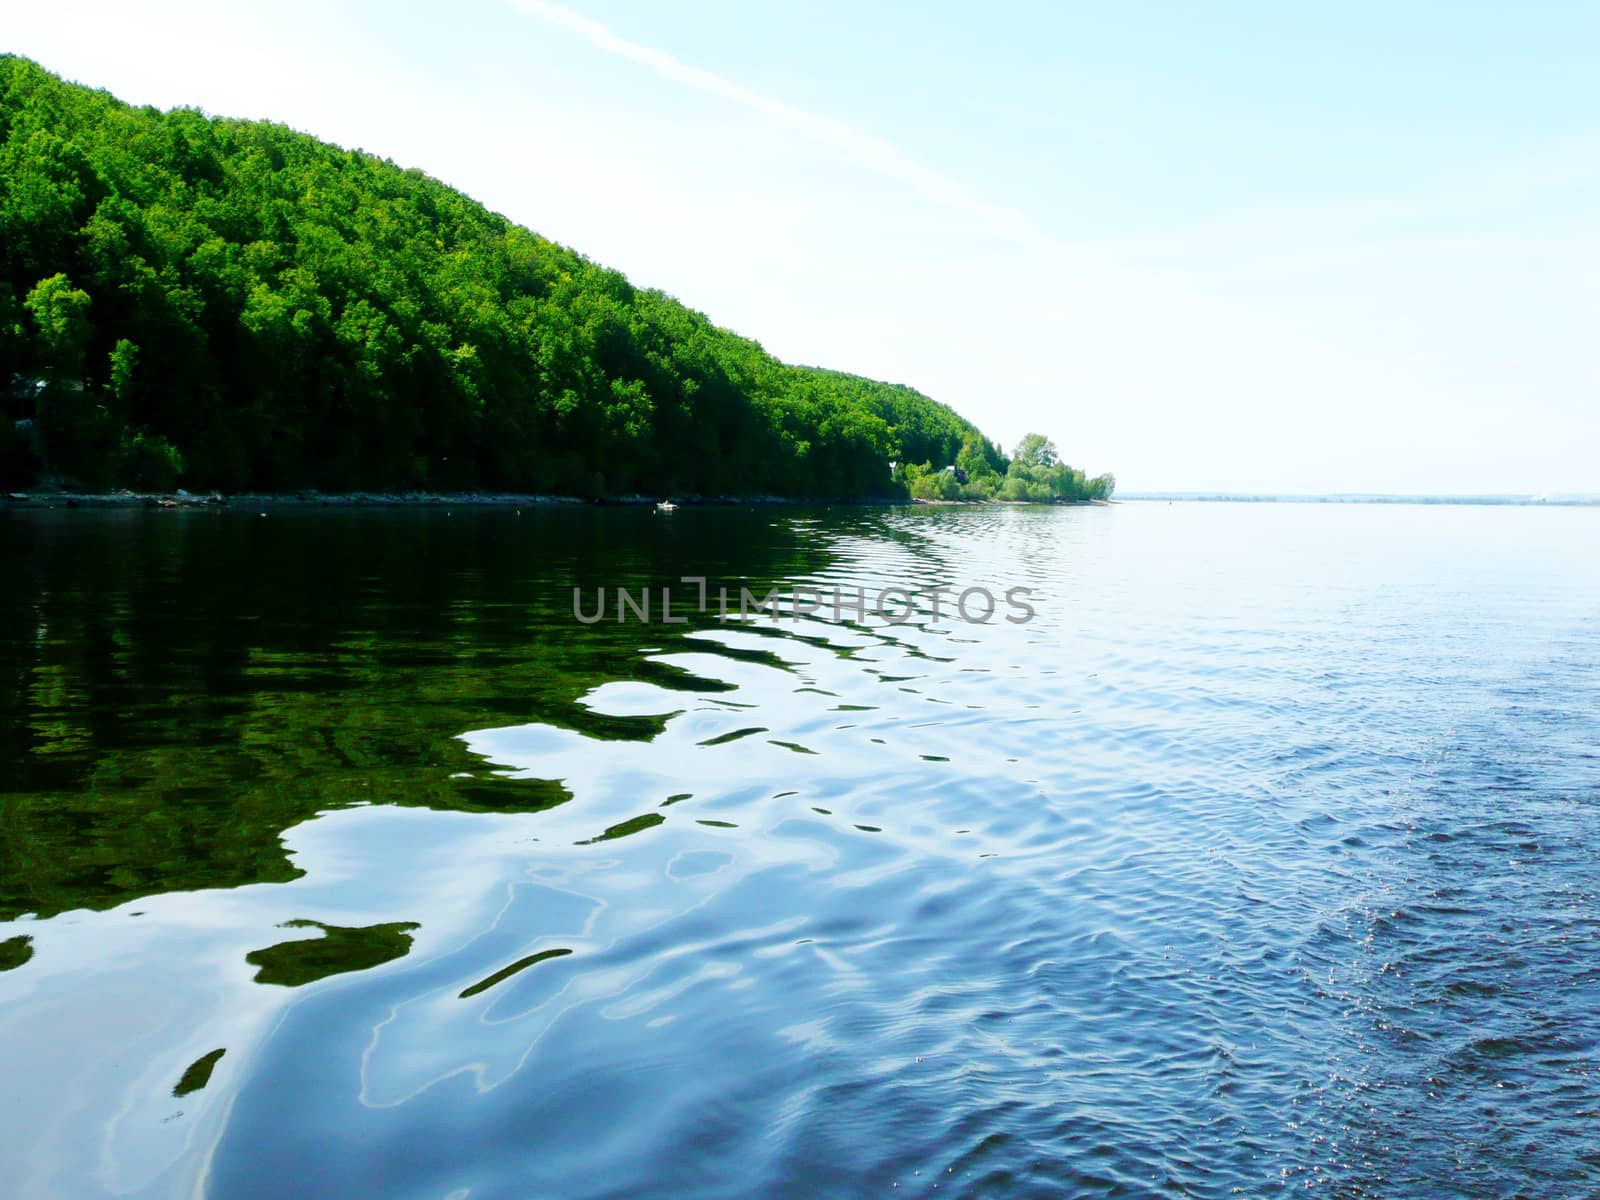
[666, 506]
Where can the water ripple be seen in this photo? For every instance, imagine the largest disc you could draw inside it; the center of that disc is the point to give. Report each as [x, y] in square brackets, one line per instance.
[1261, 862]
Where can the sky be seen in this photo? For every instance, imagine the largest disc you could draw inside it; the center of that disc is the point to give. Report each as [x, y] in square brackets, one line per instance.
[1240, 246]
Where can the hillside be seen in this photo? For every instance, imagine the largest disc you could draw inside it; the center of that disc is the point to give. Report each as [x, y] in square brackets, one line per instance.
[234, 305]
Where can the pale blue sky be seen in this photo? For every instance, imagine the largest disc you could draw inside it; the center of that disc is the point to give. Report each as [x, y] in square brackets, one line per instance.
[1235, 246]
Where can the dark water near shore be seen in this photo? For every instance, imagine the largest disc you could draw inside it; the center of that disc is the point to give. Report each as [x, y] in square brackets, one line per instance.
[338, 860]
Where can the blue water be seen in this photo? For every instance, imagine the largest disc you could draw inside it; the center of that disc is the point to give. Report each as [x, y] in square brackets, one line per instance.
[1263, 861]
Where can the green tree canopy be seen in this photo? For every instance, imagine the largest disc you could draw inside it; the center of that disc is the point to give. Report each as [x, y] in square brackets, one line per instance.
[1035, 450]
[61, 318]
[240, 306]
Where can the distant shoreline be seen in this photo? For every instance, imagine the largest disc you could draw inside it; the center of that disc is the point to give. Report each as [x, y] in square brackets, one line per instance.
[1580, 501]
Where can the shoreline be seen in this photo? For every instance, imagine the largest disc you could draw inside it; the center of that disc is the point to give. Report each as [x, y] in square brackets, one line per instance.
[26, 500]
[1009, 503]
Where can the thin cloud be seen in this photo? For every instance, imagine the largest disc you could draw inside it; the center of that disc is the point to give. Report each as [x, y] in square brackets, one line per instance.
[876, 154]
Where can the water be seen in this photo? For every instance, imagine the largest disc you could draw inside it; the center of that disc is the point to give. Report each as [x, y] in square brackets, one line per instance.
[337, 859]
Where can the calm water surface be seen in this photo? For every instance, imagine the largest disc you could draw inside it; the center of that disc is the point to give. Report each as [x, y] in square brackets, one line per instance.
[338, 860]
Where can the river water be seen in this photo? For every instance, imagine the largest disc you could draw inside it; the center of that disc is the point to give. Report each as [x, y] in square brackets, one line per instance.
[338, 858]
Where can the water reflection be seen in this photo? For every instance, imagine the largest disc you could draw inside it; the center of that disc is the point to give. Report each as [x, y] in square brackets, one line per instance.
[1218, 876]
[505, 973]
[305, 960]
[14, 951]
[183, 686]
[198, 1073]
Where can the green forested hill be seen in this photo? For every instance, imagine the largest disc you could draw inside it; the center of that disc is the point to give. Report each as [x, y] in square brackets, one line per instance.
[234, 305]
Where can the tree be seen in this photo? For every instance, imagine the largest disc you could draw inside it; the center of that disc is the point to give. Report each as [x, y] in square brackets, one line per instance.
[13, 334]
[975, 461]
[1102, 486]
[61, 314]
[124, 355]
[1035, 450]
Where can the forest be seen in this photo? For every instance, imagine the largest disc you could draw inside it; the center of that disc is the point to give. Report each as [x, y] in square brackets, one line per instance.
[235, 306]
